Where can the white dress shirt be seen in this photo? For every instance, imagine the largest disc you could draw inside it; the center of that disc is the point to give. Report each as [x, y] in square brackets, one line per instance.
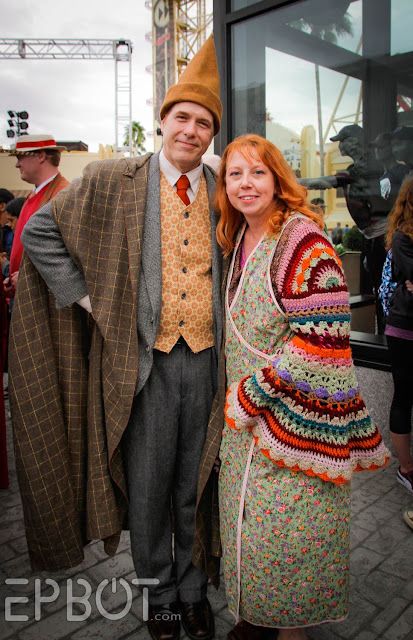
[172, 174]
[43, 184]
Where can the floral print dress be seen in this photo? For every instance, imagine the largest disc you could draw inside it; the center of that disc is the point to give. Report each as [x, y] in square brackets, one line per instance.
[284, 529]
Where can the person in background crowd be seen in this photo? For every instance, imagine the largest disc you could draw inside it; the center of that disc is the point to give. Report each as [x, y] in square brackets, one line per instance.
[320, 203]
[399, 330]
[4, 473]
[286, 465]
[11, 215]
[319, 206]
[142, 381]
[5, 197]
[337, 234]
[38, 159]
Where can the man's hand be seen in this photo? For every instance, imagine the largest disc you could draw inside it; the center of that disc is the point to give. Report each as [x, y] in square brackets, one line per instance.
[8, 288]
[14, 277]
[409, 286]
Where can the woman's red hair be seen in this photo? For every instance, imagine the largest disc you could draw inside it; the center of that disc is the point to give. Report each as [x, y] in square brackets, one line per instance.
[289, 197]
[401, 216]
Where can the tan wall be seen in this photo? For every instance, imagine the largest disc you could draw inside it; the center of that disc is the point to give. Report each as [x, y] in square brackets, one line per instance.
[336, 209]
[336, 206]
[71, 166]
[310, 163]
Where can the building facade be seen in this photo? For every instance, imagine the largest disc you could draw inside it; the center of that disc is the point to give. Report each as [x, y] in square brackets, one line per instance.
[305, 71]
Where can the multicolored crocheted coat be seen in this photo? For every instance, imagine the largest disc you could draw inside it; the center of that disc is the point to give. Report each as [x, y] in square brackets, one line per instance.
[305, 411]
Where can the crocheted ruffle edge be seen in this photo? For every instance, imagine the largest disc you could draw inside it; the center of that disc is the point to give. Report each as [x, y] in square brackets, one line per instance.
[375, 459]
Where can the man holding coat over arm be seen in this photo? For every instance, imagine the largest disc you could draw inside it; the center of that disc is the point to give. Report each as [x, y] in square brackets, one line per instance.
[111, 407]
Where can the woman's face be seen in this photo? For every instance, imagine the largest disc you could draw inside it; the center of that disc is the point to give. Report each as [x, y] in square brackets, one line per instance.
[250, 187]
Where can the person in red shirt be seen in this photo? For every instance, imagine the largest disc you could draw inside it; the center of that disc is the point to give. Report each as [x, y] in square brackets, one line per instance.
[38, 159]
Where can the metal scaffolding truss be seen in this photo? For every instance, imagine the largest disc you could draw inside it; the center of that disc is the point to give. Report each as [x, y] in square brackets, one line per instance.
[192, 22]
[84, 49]
[179, 29]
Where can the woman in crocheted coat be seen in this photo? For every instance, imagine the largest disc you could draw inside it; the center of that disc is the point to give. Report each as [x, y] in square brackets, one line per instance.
[296, 426]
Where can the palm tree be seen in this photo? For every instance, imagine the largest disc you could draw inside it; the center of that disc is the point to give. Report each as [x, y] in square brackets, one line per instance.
[138, 137]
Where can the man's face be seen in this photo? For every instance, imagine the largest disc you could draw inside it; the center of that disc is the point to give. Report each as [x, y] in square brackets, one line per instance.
[10, 221]
[4, 215]
[30, 167]
[187, 131]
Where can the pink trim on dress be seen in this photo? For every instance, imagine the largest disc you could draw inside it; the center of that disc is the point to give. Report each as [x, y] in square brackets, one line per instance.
[240, 519]
[242, 258]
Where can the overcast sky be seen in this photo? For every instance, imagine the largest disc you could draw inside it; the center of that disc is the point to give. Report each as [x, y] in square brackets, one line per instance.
[74, 99]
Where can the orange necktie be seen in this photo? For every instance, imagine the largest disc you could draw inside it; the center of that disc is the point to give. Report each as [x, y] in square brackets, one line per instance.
[181, 187]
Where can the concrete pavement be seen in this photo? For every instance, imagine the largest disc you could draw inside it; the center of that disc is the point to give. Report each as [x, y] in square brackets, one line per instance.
[381, 568]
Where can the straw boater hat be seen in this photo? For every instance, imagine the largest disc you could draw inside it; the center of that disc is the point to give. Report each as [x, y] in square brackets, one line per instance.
[29, 143]
[198, 83]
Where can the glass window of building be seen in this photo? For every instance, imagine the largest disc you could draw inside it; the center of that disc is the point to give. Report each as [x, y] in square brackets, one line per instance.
[330, 82]
[241, 4]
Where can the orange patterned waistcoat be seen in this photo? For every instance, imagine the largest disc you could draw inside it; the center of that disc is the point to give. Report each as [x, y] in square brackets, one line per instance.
[186, 270]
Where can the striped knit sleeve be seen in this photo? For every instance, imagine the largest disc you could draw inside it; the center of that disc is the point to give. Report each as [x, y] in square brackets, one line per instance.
[306, 412]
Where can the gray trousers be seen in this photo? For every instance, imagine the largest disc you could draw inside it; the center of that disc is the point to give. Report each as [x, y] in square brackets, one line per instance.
[162, 449]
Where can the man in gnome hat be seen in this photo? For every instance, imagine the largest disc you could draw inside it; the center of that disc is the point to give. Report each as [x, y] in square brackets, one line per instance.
[124, 413]
[38, 159]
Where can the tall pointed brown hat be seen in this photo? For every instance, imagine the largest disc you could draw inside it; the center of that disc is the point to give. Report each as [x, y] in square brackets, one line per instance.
[198, 83]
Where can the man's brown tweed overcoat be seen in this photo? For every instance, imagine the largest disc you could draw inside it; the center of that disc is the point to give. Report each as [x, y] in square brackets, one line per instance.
[72, 379]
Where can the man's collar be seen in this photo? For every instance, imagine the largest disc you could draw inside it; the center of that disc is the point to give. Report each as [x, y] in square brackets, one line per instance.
[172, 174]
[44, 183]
